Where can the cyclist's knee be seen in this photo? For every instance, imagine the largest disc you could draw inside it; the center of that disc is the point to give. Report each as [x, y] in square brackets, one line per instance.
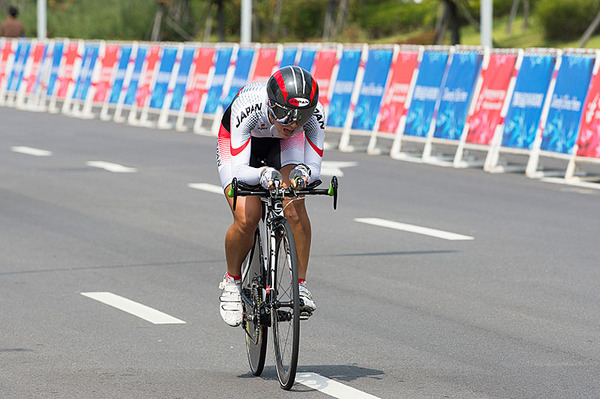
[247, 221]
[296, 212]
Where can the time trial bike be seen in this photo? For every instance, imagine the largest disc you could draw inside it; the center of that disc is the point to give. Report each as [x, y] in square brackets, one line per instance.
[270, 289]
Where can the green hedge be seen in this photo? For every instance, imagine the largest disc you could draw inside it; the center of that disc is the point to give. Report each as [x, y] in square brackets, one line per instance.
[566, 19]
[501, 7]
[384, 18]
[93, 19]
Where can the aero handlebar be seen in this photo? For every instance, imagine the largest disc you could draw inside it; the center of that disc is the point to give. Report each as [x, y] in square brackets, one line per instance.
[236, 189]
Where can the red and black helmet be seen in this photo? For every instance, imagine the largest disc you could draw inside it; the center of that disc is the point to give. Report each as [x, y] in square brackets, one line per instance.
[293, 95]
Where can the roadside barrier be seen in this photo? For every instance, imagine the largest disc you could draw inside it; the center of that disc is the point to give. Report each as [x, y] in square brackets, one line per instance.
[397, 95]
[455, 106]
[588, 140]
[527, 107]
[449, 118]
[424, 100]
[364, 108]
[495, 84]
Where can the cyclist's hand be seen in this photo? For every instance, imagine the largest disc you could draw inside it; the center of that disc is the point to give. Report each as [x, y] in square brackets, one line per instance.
[268, 177]
[299, 176]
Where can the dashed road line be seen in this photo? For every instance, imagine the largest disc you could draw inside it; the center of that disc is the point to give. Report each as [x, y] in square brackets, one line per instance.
[211, 188]
[137, 309]
[414, 229]
[111, 167]
[331, 387]
[334, 168]
[31, 151]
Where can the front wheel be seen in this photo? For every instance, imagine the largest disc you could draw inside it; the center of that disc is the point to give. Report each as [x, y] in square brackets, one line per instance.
[254, 322]
[285, 315]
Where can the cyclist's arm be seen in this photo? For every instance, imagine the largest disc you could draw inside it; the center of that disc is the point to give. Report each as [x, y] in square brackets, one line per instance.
[241, 142]
[314, 132]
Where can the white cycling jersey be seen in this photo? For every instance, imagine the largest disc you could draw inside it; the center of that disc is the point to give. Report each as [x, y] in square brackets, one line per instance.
[246, 118]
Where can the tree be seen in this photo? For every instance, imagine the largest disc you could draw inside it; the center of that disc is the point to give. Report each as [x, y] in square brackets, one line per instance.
[220, 19]
[328, 25]
[513, 14]
[156, 34]
[448, 17]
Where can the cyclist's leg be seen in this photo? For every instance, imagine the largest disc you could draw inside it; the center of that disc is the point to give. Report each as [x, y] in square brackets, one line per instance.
[240, 235]
[297, 216]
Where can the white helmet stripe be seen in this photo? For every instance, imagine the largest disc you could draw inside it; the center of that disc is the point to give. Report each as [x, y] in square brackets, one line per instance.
[303, 81]
[294, 79]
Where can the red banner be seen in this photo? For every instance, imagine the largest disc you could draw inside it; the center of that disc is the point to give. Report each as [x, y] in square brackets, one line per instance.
[264, 65]
[104, 84]
[494, 86]
[4, 56]
[396, 94]
[325, 61]
[588, 143]
[198, 84]
[66, 75]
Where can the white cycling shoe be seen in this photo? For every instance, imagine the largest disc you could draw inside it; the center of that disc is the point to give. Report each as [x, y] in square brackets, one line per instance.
[231, 301]
[309, 304]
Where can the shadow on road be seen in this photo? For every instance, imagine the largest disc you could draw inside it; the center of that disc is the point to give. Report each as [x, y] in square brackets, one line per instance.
[387, 253]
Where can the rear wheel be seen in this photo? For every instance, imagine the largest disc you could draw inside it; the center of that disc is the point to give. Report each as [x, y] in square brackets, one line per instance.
[254, 322]
[285, 314]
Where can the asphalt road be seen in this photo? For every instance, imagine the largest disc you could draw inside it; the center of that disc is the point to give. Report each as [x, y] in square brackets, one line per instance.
[513, 312]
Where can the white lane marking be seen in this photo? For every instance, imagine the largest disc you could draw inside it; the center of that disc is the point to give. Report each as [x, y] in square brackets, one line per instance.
[334, 168]
[111, 167]
[137, 309]
[413, 229]
[331, 387]
[31, 151]
[211, 188]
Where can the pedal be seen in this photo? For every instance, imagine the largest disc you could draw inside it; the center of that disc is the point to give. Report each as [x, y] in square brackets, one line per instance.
[305, 314]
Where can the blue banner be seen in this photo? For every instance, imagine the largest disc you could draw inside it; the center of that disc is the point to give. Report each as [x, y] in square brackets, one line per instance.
[426, 93]
[117, 85]
[562, 124]
[216, 87]
[18, 68]
[523, 117]
[161, 85]
[288, 57]
[84, 80]
[240, 75]
[182, 76]
[307, 58]
[456, 95]
[57, 53]
[372, 88]
[342, 90]
[140, 60]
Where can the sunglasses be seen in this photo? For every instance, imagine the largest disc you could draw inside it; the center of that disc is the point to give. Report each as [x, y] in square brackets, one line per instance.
[287, 116]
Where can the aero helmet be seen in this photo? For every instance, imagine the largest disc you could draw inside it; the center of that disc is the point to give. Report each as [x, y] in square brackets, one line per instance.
[293, 95]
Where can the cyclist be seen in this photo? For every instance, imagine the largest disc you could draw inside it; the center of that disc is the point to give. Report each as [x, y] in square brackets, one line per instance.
[270, 131]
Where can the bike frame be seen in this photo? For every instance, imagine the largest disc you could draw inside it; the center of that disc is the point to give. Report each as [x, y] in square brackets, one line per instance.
[272, 213]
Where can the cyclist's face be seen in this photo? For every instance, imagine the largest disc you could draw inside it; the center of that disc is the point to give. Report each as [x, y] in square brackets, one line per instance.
[287, 131]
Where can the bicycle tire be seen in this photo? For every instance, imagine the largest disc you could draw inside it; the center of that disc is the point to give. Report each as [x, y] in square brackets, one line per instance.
[285, 317]
[254, 322]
